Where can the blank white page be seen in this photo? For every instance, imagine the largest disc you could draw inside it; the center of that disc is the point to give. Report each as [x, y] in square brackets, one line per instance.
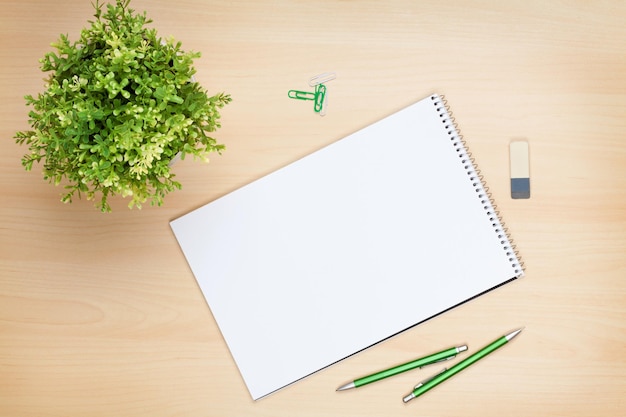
[346, 247]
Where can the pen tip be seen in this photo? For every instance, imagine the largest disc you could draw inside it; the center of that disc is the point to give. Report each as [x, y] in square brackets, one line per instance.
[346, 386]
[408, 397]
[513, 334]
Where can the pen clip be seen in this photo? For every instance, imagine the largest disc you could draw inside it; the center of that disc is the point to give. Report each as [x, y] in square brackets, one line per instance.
[440, 360]
[458, 350]
[430, 378]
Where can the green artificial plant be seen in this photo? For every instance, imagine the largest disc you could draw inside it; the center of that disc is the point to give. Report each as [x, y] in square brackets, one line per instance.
[120, 103]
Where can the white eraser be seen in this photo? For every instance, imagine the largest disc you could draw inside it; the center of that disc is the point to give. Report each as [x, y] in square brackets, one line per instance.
[520, 169]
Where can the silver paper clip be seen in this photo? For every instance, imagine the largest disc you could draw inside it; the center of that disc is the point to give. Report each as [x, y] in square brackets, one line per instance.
[322, 78]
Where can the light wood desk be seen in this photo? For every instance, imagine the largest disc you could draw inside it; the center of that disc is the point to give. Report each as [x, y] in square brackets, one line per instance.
[100, 315]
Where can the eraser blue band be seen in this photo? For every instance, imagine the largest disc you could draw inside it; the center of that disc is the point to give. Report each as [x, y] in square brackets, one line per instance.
[520, 187]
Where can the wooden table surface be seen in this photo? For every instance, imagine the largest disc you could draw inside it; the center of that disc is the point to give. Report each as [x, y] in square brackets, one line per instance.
[101, 316]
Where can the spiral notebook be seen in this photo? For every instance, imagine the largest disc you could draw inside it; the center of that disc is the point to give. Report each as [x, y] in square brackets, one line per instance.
[346, 247]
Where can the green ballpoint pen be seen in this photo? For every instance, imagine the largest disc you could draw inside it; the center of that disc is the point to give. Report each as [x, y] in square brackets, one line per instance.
[432, 382]
[417, 363]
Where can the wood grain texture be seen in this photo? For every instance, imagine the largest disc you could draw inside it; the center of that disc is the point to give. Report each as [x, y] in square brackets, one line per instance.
[100, 315]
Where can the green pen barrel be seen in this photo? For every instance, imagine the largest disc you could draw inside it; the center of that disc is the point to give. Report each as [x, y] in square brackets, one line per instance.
[427, 360]
[438, 379]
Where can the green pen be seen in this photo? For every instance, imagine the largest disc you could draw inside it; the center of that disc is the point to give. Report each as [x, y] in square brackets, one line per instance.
[432, 382]
[417, 363]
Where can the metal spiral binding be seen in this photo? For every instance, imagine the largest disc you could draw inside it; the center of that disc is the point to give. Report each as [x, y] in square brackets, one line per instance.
[478, 182]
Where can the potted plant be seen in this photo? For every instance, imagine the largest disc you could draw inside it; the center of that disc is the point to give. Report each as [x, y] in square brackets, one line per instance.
[119, 105]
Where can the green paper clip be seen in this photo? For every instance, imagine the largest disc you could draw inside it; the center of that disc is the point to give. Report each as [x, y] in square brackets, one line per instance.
[318, 96]
[301, 95]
